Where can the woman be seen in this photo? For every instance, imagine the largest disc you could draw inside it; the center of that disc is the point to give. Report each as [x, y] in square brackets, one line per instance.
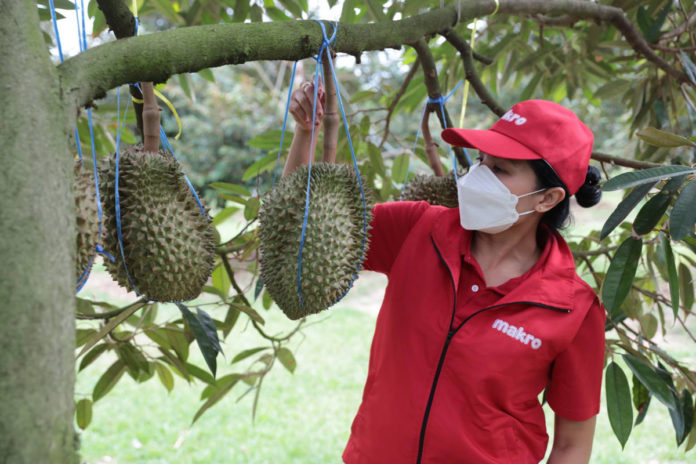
[484, 310]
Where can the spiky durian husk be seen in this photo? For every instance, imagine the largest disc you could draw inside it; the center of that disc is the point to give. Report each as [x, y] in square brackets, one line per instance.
[336, 239]
[87, 217]
[168, 243]
[436, 190]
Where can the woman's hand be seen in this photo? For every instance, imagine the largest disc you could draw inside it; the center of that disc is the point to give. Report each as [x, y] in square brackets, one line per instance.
[301, 102]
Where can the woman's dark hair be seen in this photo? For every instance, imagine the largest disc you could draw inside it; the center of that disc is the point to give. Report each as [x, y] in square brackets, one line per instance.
[588, 195]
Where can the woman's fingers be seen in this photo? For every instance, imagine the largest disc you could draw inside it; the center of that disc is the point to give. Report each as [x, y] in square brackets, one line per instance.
[301, 104]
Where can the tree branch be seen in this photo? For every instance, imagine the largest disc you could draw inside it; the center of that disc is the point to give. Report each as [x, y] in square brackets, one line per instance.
[121, 21]
[466, 53]
[628, 163]
[433, 85]
[431, 148]
[397, 97]
[156, 57]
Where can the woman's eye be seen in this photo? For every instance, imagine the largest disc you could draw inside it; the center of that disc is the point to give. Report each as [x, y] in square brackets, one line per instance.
[497, 169]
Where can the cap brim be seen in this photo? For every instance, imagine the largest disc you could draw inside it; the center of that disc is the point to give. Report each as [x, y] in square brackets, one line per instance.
[490, 142]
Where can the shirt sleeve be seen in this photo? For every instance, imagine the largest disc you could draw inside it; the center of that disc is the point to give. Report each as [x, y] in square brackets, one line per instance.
[391, 224]
[575, 387]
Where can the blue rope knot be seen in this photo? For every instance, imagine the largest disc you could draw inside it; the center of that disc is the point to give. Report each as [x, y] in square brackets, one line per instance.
[326, 45]
[440, 101]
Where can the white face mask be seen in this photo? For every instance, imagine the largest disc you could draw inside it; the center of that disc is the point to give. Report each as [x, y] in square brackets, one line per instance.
[485, 203]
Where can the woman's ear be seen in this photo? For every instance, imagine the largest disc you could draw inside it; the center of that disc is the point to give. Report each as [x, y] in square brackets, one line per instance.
[550, 198]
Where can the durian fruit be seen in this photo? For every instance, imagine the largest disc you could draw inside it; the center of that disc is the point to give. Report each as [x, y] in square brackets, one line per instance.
[168, 243]
[436, 190]
[336, 239]
[87, 216]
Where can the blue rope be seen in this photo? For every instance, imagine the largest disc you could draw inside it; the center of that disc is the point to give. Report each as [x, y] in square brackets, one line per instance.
[83, 44]
[55, 29]
[440, 101]
[325, 46]
[82, 39]
[166, 143]
[285, 121]
[117, 199]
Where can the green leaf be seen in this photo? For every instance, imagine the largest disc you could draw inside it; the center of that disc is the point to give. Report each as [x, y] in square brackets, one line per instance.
[241, 10]
[624, 208]
[82, 335]
[652, 381]
[224, 215]
[230, 320]
[651, 213]
[641, 395]
[246, 353]
[230, 188]
[671, 273]
[287, 359]
[251, 210]
[207, 74]
[167, 9]
[689, 66]
[249, 311]
[133, 359]
[184, 83]
[689, 411]
[363, 95]
[376, 160]
[255, 13]
[266, 300]
[83, 412]
[660, 138]
[633, 178]
[221, 281]
[400, 167]
[654, 29]
[683, 215]
[224, 385]
[276, 14]
[108, 327]
[619, 278]
[92, 355]
[165, 376]
[619, 403]
[613, 88]
[686, 286]
[292, 7]
[108, 380]
[204, 331]
[270, 139]
[199, 373]
[267, 163]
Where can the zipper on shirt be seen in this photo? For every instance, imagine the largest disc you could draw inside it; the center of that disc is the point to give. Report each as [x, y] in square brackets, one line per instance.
[450, 334]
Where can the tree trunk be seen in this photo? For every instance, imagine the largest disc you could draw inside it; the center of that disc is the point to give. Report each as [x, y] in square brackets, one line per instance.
[37, 241]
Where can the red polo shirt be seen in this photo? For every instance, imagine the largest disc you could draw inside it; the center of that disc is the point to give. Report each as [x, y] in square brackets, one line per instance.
[456, 368]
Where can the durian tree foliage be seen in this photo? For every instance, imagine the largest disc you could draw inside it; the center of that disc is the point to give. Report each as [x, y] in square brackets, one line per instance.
[627, 67]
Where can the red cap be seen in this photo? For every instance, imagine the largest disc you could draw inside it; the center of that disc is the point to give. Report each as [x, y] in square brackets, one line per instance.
[535, 129]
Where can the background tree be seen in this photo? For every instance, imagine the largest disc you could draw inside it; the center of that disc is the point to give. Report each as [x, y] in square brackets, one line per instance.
[618, 64]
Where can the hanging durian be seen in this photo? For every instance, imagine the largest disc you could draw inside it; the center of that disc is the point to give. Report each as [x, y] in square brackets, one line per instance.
[167, 242]
[436, 190]
[87, 218]
[336, 239]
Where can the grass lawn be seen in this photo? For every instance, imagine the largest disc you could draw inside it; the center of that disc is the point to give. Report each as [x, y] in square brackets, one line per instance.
[301, 418]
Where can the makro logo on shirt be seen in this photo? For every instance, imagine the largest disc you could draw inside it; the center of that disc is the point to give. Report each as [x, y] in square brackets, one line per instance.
[514, 117]
[517, 333]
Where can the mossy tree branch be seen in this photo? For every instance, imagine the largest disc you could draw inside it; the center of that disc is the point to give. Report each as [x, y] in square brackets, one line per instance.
[470, 72]
[158, 56]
